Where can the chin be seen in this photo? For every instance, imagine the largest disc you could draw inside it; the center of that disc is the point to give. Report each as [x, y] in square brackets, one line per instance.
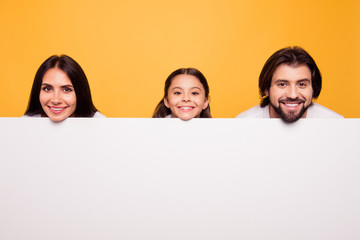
[57, 119]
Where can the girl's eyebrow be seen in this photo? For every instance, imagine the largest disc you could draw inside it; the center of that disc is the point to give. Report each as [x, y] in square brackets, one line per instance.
[176, 88]
[181, 88]
[196, 88]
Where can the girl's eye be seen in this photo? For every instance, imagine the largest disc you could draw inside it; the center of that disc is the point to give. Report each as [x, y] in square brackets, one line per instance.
[177, 93]
[195, 93]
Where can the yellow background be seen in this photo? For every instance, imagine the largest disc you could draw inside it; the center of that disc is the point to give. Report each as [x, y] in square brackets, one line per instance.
[128, 48]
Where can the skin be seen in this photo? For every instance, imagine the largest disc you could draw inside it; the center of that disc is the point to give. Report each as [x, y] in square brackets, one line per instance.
[57, 95]
[290, 92]
[186, 97]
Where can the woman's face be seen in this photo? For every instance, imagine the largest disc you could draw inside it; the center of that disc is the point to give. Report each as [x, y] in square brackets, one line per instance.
[57, 95]
[186, 97]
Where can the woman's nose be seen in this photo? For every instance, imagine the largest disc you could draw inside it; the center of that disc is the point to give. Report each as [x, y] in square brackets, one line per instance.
[56, 97]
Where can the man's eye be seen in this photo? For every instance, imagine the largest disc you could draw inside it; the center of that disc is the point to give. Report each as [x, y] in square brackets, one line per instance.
[282, 84]
[302, 84]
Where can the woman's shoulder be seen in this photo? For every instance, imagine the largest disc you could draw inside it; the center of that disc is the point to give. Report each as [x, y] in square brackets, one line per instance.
[28, 116]
[99, 115]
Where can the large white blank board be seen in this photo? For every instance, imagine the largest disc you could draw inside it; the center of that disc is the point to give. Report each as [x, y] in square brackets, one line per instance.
[170, 179]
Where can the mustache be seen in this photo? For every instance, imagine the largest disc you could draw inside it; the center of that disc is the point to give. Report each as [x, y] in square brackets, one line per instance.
[292, 100]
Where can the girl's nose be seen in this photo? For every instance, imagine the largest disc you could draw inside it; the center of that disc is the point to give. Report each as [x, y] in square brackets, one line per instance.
[186, 98]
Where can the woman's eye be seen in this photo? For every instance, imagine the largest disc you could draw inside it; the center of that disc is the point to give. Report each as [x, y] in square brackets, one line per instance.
[302, 84]
[67, 90]
[46, 89]
[281, 84]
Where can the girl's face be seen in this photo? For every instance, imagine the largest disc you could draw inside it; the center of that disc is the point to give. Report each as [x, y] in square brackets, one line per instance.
[57, 95]
[186, 97]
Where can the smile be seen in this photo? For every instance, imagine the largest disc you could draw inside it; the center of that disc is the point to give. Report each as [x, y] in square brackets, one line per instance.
[186, 108]
[57, 110]
[291, 105]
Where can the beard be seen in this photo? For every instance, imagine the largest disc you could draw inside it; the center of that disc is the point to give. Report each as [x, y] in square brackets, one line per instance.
[291, 116]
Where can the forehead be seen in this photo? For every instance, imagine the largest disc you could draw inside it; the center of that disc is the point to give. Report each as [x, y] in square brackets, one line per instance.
[56, 76]
[291, 73]
[186, 81]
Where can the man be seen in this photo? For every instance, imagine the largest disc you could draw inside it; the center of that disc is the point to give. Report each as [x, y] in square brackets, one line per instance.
[288, 82]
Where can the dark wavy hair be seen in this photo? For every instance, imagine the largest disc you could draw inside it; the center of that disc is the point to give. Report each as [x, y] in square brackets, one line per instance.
[292, 56]
[84, 104]
[162, 111]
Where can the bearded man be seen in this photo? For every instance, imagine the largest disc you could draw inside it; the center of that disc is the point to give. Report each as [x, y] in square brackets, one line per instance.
[288, 83]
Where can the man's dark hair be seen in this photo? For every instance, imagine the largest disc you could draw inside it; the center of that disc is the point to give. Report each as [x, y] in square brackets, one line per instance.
[292, 56]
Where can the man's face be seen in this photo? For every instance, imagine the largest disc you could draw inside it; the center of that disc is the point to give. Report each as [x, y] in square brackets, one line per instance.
[290, 92]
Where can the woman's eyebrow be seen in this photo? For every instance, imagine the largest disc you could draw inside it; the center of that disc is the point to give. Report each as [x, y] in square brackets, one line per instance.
[62, 86]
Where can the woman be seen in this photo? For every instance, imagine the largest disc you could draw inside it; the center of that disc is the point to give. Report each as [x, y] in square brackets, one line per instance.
[61, 90]
[186, 96]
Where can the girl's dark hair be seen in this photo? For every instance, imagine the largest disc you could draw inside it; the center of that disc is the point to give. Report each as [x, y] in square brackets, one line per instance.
[292, 56]
[84, 104]
[162, 111]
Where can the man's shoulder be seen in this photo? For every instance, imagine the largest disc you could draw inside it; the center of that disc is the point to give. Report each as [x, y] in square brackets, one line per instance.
[255, 112]
[319, 111]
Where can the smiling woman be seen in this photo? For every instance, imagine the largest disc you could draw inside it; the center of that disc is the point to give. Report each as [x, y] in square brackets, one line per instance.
[61, 90]
[186, 96]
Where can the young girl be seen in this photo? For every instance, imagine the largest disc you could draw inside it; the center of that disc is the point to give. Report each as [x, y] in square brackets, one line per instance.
[186, 96]
[61, 90]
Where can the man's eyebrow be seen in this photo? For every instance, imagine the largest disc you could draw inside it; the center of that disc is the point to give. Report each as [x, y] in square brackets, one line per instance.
[303, 80]
[281, 80]
[300, 80]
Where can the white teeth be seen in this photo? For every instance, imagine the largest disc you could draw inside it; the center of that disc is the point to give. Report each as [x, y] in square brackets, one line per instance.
[292, 104]
[186, 108]
[56, 109]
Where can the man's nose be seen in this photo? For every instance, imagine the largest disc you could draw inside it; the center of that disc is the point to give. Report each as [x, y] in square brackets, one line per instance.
[292, 92]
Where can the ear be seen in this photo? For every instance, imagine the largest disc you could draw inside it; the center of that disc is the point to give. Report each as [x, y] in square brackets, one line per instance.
[267, 93]
[206, 103]
[166, 103]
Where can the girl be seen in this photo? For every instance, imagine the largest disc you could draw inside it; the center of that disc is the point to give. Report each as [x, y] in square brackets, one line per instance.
[61, 90]
[186, 96]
